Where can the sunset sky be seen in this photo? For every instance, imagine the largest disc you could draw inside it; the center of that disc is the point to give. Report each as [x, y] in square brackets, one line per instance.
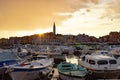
[27, 17]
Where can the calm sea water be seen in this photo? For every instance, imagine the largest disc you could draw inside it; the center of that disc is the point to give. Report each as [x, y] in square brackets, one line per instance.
[5, 77]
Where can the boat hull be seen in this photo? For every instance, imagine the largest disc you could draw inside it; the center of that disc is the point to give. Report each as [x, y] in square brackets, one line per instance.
[29, 75]
[3, 64]
[24, 75]
[106, 74]
[69, 77]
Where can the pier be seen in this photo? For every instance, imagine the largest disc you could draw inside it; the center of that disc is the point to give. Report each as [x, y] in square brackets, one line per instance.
[55, 75]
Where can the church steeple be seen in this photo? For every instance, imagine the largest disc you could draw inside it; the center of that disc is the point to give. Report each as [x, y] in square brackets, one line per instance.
[54, 28]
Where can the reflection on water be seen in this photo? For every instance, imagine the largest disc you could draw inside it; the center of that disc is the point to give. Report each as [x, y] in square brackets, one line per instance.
[55, 77]
[5, 77]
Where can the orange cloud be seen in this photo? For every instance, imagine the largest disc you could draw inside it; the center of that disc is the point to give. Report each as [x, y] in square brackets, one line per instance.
[112, 10]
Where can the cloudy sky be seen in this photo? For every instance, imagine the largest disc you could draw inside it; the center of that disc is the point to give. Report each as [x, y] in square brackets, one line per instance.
[27, 17]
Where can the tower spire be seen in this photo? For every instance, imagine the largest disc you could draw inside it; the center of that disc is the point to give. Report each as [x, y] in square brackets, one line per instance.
[54, 28]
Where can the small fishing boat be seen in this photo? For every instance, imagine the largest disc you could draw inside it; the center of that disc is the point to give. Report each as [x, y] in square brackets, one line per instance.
[31, 70]
[68, 71]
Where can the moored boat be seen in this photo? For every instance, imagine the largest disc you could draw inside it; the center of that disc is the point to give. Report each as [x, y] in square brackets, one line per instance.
[30, 70]
[68, 71]
[101, 64]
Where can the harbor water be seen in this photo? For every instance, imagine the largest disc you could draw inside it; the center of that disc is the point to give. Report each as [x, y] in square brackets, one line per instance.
[55, 76]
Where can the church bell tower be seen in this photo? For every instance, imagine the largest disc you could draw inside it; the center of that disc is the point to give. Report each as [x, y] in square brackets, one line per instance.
[54, 28]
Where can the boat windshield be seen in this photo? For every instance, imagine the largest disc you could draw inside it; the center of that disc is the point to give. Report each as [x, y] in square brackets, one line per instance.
[92, 62]
[66, 67]
[112, 61]
[102, 62]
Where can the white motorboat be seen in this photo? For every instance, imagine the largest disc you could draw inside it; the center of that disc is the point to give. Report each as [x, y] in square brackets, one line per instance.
[30, 70]
[101, 64]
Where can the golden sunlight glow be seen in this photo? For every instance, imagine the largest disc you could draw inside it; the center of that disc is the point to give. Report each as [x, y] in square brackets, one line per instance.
[41, 34]
[28, 17]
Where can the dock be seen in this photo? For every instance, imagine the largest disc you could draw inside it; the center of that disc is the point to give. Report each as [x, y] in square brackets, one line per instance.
[55, 75]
